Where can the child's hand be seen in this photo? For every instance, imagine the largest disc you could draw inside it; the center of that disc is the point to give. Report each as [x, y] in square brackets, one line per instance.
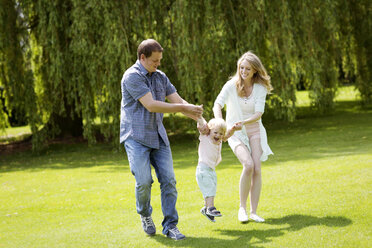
[202, 126]
[203, 129]
[237, 126]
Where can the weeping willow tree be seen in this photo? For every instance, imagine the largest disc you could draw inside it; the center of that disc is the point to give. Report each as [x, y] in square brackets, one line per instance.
[16, 75]
[360, 44]
[76, 65]
[61, 61]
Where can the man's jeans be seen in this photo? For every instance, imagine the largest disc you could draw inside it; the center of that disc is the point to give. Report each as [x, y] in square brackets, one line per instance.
[140, 157]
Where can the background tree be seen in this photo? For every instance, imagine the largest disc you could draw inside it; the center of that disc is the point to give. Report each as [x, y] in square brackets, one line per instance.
[16, 77]
[61, 61]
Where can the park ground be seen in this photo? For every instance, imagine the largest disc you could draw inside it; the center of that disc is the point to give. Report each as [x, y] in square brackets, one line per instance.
[316, 190]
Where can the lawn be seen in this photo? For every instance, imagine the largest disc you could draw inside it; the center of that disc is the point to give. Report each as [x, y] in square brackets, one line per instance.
[316, 192]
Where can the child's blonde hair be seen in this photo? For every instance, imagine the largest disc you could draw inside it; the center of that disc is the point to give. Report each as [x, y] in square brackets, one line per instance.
[217, 123]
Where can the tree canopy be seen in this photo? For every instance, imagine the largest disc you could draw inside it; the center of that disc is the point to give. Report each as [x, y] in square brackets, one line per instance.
[61, 61]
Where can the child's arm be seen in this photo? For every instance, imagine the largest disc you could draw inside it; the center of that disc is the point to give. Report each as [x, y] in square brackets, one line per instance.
[230, 132]
[202, 125]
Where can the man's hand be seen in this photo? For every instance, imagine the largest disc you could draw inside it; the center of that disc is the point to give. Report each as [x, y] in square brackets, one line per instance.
[193, 111]
[190, 110]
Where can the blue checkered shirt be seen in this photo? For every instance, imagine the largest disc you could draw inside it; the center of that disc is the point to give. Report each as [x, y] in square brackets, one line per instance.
[136, 121]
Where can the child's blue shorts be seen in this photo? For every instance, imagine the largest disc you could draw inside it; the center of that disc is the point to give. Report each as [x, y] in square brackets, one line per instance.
[207, 180]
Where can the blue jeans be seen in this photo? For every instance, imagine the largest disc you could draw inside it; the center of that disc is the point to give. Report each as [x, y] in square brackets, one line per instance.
[140, 157]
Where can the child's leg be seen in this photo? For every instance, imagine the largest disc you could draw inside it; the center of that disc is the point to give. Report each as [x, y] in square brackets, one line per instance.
[211, 210]
[206, 179]
[209, 201]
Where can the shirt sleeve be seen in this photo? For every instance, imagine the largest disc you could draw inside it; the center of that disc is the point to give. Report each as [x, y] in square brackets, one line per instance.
[169, 87]
[259, 105]
[222, 96]
[136, 85]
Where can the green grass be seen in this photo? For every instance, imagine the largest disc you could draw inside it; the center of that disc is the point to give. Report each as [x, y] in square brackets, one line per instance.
[316, 192]
[346, 93]
[14, 134]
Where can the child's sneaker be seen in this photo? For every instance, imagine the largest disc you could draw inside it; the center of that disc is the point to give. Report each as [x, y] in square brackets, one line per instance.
[203, 211]
[212, 211]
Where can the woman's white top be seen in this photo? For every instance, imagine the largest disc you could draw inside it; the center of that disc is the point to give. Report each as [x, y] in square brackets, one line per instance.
[234, 113]
[247, 106]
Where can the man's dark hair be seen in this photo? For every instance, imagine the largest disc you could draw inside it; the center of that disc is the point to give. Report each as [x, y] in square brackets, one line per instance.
[147, 47]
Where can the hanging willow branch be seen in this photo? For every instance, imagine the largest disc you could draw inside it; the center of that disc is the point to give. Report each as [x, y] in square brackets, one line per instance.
[61, 61]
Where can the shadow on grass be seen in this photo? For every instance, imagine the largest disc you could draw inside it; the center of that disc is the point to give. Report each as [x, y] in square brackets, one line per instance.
[66, 156]
[345, 132]
[255, 238]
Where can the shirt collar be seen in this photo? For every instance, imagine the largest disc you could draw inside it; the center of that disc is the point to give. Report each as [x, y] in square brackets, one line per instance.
[143, 69]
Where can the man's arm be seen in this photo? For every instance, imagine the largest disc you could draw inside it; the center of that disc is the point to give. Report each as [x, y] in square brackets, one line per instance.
[162, 107]
[177, 99]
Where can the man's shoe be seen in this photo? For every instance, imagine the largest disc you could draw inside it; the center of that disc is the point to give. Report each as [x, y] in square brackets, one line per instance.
[148, 225]
[242, 215]
[175, 234]
[203, 211]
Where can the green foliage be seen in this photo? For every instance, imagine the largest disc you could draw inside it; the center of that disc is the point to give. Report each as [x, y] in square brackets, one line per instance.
[61, 61]
[361, 30]
[16, 75]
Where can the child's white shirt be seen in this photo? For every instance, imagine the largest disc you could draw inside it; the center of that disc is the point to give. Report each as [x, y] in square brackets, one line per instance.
[209, 153]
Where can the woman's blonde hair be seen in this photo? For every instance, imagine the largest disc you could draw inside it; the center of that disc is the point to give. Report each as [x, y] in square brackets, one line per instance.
[218, 123]
[259, 77]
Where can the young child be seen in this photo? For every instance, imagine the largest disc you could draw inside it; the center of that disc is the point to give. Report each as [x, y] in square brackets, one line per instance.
[209, 157]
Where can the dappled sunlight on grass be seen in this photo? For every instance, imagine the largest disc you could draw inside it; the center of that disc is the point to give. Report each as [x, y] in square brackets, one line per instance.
[13, 131]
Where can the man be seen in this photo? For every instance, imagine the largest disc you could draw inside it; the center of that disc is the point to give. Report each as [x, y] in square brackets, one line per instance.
[144, 89]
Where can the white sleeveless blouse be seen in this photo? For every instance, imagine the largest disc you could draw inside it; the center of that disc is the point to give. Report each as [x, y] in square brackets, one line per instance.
[247, 106]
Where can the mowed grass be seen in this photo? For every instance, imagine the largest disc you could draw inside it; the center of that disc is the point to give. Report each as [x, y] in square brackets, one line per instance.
[13, 134]
[316, 192]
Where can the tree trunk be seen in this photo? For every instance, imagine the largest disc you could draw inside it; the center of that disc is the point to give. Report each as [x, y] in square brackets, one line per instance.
[67, 124]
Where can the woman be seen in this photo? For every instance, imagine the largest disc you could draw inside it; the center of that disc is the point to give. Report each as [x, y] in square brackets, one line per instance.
[244, 96]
